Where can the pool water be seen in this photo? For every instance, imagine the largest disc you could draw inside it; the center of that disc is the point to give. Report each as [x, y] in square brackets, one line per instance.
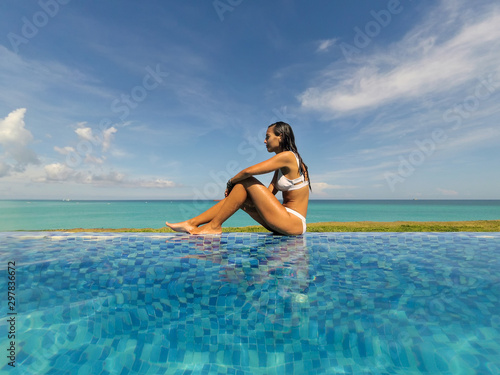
[330, 303]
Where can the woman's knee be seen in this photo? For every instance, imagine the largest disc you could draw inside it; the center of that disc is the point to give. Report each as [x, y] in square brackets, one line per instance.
[249, 181]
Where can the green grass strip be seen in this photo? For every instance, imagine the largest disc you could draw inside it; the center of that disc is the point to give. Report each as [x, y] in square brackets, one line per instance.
[357, 226]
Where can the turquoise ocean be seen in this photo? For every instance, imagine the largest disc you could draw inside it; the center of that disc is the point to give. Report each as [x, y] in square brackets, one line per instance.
[49, 214]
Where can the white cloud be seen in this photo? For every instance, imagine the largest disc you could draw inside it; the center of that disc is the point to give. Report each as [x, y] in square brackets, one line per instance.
[324, 45]
[420, 64]
[64, 150]
[107, 136]
[58, 172]
[86, 133]
[158, 183]
[15, 140]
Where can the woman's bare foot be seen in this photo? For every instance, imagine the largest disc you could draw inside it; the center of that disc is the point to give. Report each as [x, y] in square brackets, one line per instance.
[184, 226]
[207, 229]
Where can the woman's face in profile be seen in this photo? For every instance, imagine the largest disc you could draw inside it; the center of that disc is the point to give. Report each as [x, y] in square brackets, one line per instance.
[272, 141]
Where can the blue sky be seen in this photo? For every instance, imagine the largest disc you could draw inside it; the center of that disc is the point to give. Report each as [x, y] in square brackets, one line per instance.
[167, 100]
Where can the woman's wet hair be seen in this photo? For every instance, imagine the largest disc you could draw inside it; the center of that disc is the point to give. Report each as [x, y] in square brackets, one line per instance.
[287, 143]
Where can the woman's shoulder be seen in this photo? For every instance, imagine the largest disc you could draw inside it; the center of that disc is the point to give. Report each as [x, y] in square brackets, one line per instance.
[285, 157]
[289, 154]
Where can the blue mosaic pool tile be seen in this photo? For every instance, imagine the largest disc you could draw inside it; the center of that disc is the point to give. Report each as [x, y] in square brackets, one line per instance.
[240, 303]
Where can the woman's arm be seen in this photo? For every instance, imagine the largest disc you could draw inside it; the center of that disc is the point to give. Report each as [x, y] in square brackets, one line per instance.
[272, 186]
[281, 160]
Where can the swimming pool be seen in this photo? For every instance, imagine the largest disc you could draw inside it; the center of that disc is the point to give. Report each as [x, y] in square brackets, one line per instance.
[329, 303]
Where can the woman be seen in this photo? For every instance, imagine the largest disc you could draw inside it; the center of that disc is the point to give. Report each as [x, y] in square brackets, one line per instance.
[246, 192]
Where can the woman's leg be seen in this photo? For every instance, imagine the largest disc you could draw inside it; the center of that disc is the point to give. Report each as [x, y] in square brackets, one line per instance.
[205, 217]
[272, 212]
[189, 225]
[250, 209]
[229, 206]
[270, 209]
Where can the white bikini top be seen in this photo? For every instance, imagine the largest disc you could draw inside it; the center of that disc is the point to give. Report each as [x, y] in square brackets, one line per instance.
[285, 184]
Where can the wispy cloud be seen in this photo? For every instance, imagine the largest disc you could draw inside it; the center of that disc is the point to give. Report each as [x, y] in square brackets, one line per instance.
[64, 150]
[364, 171]
[447, 192]
[320, 187]
[473, 138]
[423, 62]
[325, 45]
[31, 80]
[59, 173]
[443, 75]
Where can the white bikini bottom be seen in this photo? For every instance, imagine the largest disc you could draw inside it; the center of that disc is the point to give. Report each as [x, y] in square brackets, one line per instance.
[293, 212]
